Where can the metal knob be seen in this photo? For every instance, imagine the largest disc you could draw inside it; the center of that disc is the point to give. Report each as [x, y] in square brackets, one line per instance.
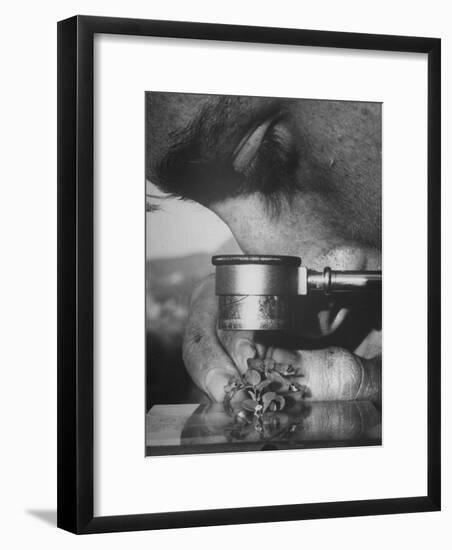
[343, 281]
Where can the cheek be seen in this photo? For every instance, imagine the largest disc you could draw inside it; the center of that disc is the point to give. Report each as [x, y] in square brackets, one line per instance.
[298, 230]
[295, 230]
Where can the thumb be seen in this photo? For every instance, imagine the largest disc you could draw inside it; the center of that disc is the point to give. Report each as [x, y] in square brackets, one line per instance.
[208, 364]
[240, 347]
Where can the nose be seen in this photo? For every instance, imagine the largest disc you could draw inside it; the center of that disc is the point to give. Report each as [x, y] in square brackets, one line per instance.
[341, 258]
[347, 257]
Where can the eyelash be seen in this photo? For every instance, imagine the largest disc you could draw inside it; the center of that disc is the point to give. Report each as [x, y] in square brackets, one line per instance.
[272, 170]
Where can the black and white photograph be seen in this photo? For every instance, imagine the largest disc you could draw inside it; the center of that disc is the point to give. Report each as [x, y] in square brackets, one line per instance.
[225, 233]
[263, 273]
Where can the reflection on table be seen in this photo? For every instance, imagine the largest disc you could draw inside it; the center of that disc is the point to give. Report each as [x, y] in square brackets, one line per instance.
[192, 429]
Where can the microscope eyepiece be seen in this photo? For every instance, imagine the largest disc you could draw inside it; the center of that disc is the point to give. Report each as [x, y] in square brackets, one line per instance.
[256, 292]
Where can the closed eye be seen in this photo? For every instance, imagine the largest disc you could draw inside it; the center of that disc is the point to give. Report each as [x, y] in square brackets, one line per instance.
[267, 160]
[248, 148]
[264, 161]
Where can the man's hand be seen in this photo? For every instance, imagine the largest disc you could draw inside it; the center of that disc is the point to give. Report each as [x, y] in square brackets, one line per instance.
[214, 358]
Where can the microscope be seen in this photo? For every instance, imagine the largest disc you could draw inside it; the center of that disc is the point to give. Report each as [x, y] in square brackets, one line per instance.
[259, 292]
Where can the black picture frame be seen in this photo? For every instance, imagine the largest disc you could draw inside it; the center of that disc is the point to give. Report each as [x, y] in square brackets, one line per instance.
[75, 273]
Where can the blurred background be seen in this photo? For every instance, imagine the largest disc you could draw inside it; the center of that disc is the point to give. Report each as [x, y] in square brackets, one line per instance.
[181, 237]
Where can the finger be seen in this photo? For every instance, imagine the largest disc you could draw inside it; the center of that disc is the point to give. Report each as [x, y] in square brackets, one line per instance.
[334, 373]
[261, 350]
[240, 346]
[208, 364]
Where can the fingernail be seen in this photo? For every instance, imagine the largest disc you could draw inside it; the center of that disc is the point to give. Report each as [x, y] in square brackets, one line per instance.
[244, 350]
[261, 349]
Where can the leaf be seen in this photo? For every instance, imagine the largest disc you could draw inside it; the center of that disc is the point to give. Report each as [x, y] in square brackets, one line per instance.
[269, 396]
[252, 377]
[267, 399]
[249, 405]
[272, 401]
[269, 364]
[258, 409]
[256, 364]
[263, 385]
[281, 402]
[252, 395]
[285, 369]
[278, 382]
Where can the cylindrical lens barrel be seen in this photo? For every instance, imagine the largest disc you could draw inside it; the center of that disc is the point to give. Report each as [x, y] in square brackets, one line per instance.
[254, 312]
[256, 292]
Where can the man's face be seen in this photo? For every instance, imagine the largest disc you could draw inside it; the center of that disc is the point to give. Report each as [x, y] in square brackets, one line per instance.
[295, 177]
[311, 171]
